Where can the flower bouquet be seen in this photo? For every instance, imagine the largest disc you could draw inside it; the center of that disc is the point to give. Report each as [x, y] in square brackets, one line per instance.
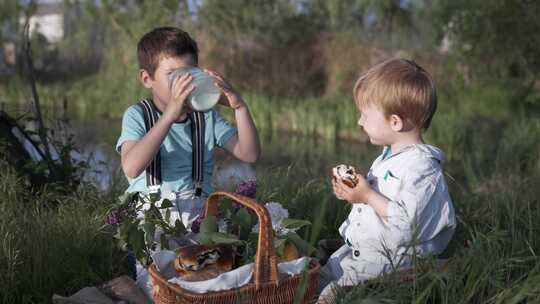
[144, 223]
[268, 279]
[238, 226]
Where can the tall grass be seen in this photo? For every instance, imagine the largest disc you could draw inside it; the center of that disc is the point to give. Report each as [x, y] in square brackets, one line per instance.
[328, 118]
[52, 242]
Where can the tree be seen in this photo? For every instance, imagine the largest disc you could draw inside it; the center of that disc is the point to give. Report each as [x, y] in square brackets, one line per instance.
[498, 39]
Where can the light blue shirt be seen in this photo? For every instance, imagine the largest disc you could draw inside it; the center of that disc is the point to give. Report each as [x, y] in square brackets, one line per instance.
[176, 150]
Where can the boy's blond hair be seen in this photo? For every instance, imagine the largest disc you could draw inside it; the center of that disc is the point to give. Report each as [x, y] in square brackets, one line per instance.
[400, 87]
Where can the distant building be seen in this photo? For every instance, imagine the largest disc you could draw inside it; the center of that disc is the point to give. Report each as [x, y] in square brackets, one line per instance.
[48, 20]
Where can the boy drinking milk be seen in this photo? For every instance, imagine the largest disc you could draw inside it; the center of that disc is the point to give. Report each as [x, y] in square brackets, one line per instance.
[402, 207]
[164, 136]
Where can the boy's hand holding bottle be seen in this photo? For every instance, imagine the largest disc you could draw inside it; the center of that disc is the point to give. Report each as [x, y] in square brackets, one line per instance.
[180, 90]
[230, 96]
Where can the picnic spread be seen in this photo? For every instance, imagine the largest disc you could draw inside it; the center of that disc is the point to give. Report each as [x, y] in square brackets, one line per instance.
[206, 273]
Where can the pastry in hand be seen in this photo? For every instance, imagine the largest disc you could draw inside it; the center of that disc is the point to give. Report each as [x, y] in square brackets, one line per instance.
[195, 258]
[347, 174]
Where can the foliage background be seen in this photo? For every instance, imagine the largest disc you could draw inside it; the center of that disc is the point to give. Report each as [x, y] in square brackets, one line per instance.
[296, 61]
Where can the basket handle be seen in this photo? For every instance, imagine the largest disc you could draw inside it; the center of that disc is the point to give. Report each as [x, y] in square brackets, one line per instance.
[265, 259]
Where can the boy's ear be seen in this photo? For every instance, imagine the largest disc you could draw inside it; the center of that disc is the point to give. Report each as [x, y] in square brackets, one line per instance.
[145, 78]
[396, 123]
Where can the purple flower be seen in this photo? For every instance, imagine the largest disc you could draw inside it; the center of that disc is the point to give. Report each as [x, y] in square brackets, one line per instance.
[196, 225]
[116, 216]
[113, 218]
[248, 188]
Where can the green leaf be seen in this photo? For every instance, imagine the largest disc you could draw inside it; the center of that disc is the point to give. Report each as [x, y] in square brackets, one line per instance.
[205, 238]
[179, 228]
[124, 197]
[209, 224]
[166, 204]
[167, 215]
[149, 230]
[154, 197]
[128, 197]
[279, 244]
[136, 240]
[123, 245]
[225, 238]
[226, 208]
[294, 223]
[125, 228]
[244, 218]
[163, 241]
[302, 245]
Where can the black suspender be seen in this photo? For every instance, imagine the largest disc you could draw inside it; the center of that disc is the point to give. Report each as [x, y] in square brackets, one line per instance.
[153, 171]
[197, 144]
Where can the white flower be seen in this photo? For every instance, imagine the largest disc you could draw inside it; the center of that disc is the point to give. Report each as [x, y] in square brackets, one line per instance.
[277, 215]
[146, 207]
[222, 226]
[229, 174]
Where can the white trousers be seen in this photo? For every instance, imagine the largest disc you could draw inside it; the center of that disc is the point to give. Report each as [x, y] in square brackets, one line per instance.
[343, 270]
[189, 207]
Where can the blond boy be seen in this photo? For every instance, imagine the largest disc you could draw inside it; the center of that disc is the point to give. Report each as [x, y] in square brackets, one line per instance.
[402, 208]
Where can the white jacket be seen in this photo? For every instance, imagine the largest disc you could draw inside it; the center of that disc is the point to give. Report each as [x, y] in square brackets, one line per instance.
[420, 210]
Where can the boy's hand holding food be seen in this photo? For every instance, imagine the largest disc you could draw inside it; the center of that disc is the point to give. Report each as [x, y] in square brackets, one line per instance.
[359, 193]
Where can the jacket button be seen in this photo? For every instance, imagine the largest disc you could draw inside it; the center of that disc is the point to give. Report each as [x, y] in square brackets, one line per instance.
[359, 210]
[357, 253]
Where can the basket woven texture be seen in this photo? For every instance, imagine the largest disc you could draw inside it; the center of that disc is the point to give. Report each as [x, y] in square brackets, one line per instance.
[266, 286]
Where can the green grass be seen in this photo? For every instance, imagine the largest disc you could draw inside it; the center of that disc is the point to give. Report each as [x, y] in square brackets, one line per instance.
[90, 97]
[50, 241]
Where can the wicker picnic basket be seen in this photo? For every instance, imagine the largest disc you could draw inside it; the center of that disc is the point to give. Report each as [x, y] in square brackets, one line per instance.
[266, 285]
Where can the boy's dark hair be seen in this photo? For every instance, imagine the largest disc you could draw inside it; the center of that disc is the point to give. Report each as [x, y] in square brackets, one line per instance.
[164, 42]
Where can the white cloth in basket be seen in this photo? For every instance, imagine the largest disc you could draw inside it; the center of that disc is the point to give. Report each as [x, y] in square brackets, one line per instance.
[225, 281]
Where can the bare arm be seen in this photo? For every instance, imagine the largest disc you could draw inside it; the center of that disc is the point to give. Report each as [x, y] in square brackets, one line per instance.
[136, 155]
[245, 145]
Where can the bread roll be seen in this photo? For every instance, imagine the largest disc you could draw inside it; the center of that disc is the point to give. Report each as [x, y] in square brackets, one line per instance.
[347, 174]
[195, 258]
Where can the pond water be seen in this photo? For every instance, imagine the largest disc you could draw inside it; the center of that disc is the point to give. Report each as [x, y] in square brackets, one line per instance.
[312, 157]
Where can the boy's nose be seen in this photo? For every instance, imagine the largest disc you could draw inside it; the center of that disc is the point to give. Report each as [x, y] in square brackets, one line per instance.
[359, 122]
